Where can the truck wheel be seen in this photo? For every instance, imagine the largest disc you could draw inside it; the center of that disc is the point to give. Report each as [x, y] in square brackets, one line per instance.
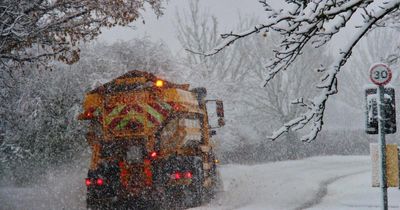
[198, 192]
[199, 196]
[159, 203]
[217, 186]
[98, 206]
[90, 205]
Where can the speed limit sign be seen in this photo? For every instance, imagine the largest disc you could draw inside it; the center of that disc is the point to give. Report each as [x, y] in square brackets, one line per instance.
[381, 106]
[380, 74]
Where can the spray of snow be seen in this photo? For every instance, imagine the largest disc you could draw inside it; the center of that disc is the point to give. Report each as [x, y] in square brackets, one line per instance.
[62, 188]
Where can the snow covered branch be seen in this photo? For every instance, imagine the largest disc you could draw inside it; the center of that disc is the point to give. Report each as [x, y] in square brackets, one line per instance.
[314, 23]
[36, 30]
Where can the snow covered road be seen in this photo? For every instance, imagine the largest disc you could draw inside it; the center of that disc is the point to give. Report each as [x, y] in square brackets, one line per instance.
[360, 196]
[286, 185]
[334, 182]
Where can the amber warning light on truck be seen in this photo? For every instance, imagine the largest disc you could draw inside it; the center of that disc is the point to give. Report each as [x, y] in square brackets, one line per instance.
[159, 83]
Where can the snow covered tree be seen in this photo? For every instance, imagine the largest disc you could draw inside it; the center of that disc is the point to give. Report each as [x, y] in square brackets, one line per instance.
[38, 30]
[222, 74]
[198, 30]
[39, 126]
[236, 75]
[315, 23]
[380, 45]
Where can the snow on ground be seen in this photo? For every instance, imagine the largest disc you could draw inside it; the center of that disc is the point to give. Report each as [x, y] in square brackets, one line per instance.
[63, 190]
[284, 185]
[361, 195]
[334, 182]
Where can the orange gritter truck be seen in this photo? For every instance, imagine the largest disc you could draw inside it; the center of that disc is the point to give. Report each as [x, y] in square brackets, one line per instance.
[151, 144]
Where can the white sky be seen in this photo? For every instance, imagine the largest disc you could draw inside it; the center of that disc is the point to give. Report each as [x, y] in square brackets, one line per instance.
[163, 28]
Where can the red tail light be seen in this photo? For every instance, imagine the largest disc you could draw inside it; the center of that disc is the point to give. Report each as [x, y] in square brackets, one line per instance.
[176, 107]
[89, 115]
[153, 155]
[188, 175]
[99, 181]
[179, 175]
[176, 175]
[88, 182]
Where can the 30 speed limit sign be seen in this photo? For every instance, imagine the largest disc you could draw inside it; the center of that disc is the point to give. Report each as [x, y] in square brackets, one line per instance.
[380, 74]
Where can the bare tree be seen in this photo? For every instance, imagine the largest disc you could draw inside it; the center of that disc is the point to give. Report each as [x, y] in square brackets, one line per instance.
[273, 105]
[37, 30]
[198, 30]
[315, 22]
[380, 45]
[236, 75]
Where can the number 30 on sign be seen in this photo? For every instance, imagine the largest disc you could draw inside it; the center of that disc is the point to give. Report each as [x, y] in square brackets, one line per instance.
[380, 74]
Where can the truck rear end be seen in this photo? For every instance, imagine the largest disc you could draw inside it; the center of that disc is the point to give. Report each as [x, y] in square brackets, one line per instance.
[150, 142]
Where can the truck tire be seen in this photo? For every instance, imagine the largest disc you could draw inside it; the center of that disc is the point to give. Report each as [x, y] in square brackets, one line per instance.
[217, 186]
[197, 191]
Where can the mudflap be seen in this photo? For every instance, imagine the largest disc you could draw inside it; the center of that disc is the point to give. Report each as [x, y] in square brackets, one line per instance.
[106, 204]
[127, 204]
[141, 204]
[149, 199]
[181, 197]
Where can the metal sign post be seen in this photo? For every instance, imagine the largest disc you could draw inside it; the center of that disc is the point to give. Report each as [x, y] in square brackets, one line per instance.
[380, 74]
[382, 147]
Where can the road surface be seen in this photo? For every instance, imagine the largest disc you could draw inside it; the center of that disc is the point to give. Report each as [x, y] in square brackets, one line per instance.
[333, 182]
